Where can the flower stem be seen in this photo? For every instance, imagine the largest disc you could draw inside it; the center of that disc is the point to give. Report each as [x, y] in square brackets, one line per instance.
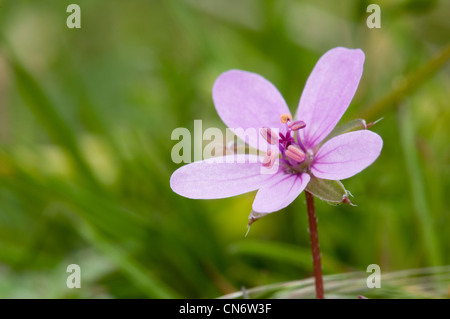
[315, 245]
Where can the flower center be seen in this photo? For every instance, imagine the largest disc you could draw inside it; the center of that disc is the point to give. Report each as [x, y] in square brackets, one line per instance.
[292, 154]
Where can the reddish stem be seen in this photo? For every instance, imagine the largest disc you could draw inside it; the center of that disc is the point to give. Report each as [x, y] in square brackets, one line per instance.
[315, 245]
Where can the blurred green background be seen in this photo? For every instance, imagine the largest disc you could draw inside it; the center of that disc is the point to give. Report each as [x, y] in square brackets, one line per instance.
[86, 117]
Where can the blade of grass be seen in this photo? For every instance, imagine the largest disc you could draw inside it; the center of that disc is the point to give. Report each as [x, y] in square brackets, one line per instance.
[143, 278]
[108, 216]
[285, 253]
[44, 109]
[419, 201]
[409, 85]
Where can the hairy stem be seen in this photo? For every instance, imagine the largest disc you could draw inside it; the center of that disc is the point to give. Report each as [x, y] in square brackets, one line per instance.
[315, 245]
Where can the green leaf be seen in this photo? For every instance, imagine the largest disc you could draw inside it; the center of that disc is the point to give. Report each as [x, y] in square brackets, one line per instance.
[333, 192]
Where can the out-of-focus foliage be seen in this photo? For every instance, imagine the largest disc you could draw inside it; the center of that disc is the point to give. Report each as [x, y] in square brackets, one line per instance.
[86, 117]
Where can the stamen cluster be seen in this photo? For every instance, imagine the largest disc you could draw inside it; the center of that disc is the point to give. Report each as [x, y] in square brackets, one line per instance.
[291, 152]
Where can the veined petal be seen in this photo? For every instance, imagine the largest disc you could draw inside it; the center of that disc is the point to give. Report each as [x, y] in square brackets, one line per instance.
[328, 92]
[346, 155]
[247, 100]
[279, 192]
[208, 179]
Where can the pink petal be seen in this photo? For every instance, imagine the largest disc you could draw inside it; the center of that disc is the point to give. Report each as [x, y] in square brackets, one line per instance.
[346, 155]
[247, 100]
[280, 191]
[328, 92]
[208, 179]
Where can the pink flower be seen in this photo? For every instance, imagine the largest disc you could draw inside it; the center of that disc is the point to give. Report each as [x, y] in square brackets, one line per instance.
[247, 100]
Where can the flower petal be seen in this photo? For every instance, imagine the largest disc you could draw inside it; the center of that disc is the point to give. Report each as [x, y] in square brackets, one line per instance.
[281, 191]
[209, 179]
[346, 155]
[328, 92]
[247, 100]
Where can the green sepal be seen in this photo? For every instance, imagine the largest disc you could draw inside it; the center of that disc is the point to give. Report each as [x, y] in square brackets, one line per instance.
[330, 191]
[355, 125]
